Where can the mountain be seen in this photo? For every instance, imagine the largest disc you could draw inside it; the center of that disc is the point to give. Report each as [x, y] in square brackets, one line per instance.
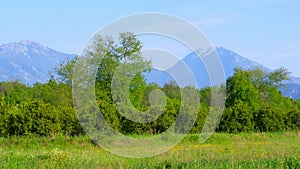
[31, 62]
[229, 59]
[28, 61]
[291, 90]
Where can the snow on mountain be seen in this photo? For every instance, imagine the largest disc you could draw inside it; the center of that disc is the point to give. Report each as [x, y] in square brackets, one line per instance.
[229, 59]
[31, 62]
[28, 61]
[291, 90]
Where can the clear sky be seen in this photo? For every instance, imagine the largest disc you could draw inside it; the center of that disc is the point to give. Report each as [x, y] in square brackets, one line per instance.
[266, 31]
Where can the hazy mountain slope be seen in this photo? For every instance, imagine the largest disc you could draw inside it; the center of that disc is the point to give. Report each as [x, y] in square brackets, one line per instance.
[28, 61]
[229, 59]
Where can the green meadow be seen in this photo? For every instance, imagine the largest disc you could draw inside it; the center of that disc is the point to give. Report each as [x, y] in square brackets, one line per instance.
[244, 150]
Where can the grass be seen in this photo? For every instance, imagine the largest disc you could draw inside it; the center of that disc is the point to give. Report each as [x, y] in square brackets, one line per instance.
[244, 150]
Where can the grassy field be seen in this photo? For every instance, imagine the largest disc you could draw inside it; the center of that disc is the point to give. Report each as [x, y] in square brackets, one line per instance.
[256, 150]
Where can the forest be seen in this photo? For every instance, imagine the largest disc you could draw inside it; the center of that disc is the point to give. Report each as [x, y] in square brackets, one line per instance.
[253, 101]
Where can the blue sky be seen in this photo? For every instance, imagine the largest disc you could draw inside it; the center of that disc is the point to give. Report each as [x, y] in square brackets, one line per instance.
[266, 31]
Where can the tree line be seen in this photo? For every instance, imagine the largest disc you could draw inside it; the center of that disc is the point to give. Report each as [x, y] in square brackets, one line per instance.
[253, 101]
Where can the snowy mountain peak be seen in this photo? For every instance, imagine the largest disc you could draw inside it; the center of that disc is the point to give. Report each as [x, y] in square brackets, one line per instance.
[205, 51]
[29, 43]
[23, 47]
[28, 61]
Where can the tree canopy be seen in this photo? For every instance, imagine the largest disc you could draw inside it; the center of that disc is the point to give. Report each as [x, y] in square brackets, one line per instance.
[253, 102]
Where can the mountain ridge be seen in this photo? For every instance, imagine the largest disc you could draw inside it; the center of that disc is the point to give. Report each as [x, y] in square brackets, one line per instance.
[28, 61]
[31, 62]
[229, 59]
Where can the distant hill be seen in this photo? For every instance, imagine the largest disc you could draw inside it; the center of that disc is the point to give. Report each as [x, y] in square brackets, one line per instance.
[28, 61]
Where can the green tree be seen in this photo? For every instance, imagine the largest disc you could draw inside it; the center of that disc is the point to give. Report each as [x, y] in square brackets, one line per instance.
[237, 118]
[254, 101]
[119, 82]
[241, 90]
[14, 92]
[270, 119]
[65, 70]
[172, 90]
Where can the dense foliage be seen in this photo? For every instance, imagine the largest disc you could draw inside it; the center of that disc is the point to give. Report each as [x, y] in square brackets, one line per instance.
[253, 103]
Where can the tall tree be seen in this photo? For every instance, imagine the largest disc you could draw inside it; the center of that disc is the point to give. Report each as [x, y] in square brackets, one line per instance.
[241, 90]
[65, 70]
[119, 83]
